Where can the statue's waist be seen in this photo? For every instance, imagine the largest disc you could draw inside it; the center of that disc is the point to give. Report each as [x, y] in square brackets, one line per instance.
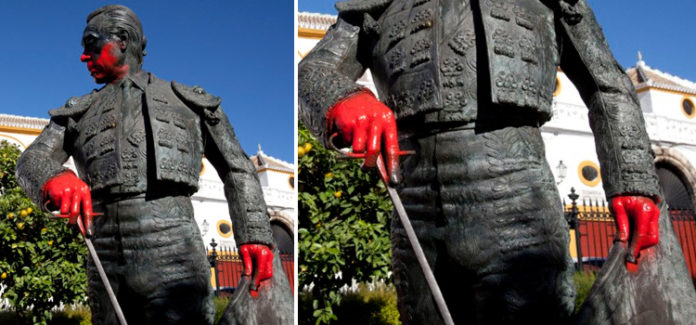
[489, 117]
[155, 191]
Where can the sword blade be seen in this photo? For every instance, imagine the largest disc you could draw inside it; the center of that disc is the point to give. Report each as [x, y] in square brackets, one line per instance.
[105, 281]
[417, 249]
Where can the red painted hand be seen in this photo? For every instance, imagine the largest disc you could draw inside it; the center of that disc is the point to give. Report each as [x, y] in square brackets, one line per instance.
[644, 214]
[257, 258]
[71, 195]
[370, 127]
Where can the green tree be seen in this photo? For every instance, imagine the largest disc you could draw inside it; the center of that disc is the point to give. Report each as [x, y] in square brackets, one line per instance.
[344, 216]
[41, 260]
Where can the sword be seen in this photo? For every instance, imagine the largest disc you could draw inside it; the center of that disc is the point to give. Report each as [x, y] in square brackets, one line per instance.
[410, 233]
[97, 263]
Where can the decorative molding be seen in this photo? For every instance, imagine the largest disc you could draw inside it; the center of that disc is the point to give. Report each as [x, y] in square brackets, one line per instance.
[275, 170]
[646, 86]
[22, 124]
[573, 117]
[670, 130]
[310, 33]
[279, 198]
[314, 21]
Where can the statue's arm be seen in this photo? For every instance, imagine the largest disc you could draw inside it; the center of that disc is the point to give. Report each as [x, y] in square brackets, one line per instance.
[328, 74]
[43, 159]
[622, 143]
[242, 187]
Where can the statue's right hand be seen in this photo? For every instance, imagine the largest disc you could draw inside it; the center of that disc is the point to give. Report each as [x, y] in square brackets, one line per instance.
[370, 127]
[71, 195]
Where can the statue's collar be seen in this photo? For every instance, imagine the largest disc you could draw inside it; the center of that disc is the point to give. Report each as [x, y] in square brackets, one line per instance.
[140, 79]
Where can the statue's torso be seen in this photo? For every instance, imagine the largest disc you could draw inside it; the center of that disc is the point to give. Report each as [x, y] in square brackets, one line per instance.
[154, 138]
[447, 57]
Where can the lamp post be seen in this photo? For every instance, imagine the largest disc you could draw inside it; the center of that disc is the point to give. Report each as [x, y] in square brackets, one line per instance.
[212, 259]
[562, 171]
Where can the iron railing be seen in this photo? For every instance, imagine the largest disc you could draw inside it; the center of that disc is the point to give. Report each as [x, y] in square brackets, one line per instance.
[227, 268]
[593, 230]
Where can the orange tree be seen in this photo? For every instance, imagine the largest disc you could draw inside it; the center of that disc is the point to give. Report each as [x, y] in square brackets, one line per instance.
[41, 260]
[344, 216]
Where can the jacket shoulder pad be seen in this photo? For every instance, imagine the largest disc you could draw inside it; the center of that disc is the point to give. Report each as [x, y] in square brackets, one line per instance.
[360, 5]
[74, 106]
[196, 96]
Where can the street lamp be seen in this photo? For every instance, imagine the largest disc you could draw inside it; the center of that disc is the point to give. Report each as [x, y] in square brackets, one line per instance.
[562, 171]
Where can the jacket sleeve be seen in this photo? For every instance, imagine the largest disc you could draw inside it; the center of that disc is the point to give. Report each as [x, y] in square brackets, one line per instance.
[242, 187]
[616, 119]
[43, 159]
[328, 73]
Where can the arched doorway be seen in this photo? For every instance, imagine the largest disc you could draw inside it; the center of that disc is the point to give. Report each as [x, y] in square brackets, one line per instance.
[283, 238]
[677, 193]
[677, 177]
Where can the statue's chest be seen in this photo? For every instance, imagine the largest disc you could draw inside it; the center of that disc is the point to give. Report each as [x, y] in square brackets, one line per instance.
[115, 142]
[110, 146]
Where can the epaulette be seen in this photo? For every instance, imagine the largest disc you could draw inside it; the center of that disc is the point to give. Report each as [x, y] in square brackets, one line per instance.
[361, 5]
[196, 96]
[570, 12]
[75, 105]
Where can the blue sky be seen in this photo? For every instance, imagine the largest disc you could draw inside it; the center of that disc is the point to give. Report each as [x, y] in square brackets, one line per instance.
[239, 50]
[664, 31]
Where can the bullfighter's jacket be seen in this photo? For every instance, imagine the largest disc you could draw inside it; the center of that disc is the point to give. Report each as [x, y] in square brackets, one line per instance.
[181, 124]
[456, 61]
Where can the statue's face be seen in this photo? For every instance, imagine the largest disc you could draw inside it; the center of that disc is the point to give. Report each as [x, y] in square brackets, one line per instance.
[104, 55]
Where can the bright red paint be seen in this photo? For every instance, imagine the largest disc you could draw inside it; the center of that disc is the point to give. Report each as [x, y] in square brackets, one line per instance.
[263, 266]
[71, 195]
[108, 65]
[644, 214]
[370, 126]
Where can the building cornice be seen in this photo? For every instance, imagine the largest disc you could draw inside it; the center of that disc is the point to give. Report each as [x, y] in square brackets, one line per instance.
[22, 124]
[574, 118]
[310, 33]
[654, 86]
[275, 170]
[314, 22]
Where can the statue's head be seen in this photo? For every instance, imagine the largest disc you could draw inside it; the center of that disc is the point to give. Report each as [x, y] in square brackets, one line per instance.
[113, 42]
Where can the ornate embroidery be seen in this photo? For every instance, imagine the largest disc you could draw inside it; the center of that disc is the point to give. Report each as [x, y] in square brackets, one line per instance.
[165, 138]
[462, 42]
[397, 32]
[420, 52]
[523, 18]
[503, 44]
[451, 67]
[455, 100]
[423, 19]
[528, 50]
[500, 10]
[396, 61]
[136, 137]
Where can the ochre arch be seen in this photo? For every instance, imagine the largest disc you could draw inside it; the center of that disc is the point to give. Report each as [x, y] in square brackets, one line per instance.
[674, 158]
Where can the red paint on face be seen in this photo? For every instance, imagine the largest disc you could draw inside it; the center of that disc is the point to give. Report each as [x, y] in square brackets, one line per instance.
[106, 66]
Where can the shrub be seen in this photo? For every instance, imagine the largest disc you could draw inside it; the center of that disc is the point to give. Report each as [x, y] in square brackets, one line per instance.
[41, 260]
[344, 216]
[583, 284]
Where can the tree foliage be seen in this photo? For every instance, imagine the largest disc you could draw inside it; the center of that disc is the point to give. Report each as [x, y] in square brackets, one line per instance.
[41, 260]
[344, 215]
